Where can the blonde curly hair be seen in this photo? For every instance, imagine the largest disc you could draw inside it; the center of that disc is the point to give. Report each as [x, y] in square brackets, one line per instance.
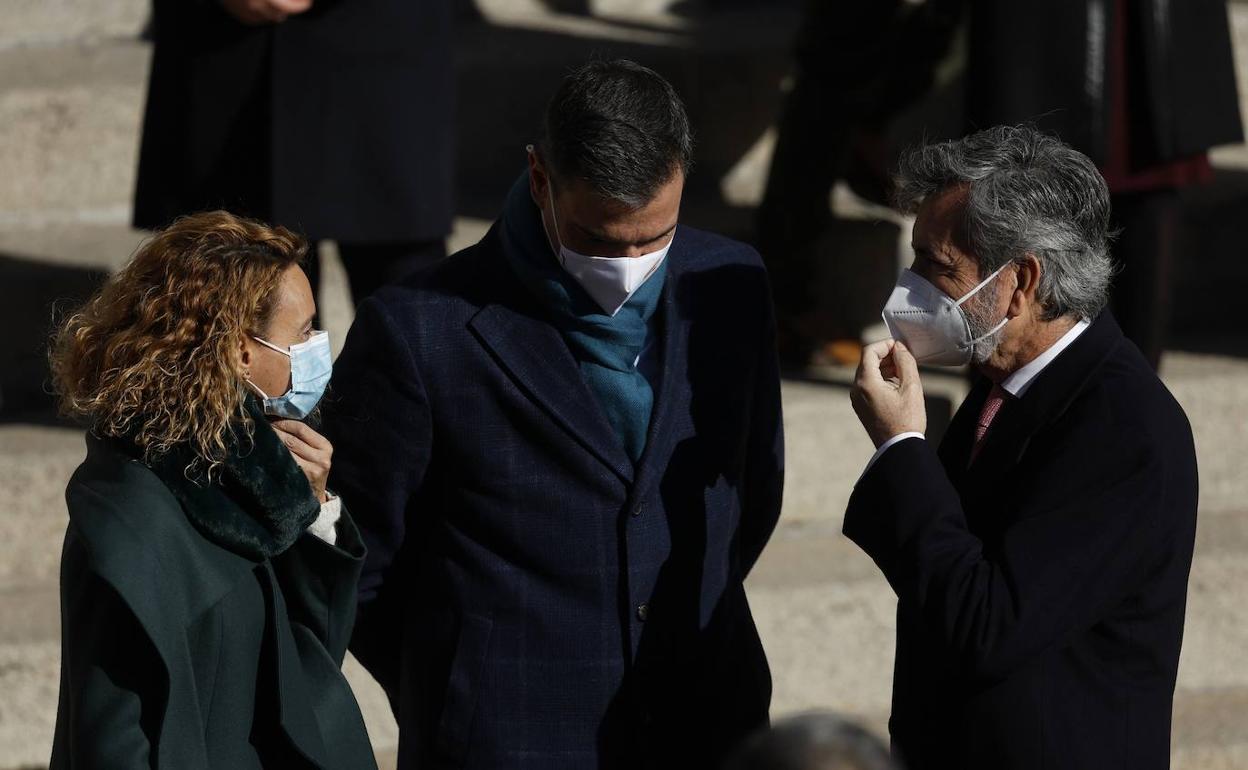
[154, 356]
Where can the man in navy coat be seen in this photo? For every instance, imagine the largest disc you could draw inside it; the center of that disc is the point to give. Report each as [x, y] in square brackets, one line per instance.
[564, 448]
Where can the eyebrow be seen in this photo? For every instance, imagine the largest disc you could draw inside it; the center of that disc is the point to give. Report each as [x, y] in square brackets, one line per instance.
[602, 238]
[926, 253]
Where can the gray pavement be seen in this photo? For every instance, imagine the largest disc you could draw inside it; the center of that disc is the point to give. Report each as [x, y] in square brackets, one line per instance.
[71, 90]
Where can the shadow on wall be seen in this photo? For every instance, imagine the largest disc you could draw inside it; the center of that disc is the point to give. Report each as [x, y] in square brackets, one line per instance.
[33, 294]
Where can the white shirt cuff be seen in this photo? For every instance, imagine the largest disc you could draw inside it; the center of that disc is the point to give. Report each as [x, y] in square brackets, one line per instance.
[326, 525]
[889, 445]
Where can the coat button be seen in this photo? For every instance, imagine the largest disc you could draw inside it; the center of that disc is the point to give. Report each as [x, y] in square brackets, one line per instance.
[637, 510]
[643, 612]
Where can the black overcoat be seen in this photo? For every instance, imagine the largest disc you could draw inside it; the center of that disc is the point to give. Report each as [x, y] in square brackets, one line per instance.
[336, 122]
[1040, 590]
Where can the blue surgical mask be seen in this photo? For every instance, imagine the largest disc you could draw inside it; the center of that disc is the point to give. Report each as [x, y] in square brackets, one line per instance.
[311, 363]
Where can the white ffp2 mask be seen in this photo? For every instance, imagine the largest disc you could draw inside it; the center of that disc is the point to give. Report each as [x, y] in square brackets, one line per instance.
[610, 281]
[932, 324]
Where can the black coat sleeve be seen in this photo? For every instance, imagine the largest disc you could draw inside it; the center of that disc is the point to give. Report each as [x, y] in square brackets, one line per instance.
[378, 419]
[764, 471]
[1087, 526]
[112, 686]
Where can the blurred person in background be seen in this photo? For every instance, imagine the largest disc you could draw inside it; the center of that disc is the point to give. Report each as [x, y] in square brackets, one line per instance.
[857, 64]
[564, 447]
[1143, 87]
[330, 117]
[814, 741]
[208, 577]
[1040, 555]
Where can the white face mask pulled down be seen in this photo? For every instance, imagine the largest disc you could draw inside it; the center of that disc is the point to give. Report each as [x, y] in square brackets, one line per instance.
[611, 281]
[931, 324]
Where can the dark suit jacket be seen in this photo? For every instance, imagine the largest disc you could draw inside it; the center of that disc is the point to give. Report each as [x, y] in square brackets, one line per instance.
[178, 653]
[1041, 591]
[338, 122]
[530, 598]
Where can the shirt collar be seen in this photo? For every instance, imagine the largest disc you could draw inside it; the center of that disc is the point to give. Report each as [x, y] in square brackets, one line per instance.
[1018, 382]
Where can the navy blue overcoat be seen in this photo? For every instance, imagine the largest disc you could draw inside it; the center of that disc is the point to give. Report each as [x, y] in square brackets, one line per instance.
[531, 598]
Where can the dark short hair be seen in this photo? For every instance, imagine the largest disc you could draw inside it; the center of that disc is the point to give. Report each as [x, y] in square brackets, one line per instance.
[618, 126]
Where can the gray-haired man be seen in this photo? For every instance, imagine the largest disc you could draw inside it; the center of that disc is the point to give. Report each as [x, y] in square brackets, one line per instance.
[1040, 556]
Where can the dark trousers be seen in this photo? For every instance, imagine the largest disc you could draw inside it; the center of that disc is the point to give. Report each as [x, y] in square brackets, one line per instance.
[370, 266]
[1150, 235]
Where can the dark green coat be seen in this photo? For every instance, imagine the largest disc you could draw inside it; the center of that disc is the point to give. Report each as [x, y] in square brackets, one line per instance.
[180, 653]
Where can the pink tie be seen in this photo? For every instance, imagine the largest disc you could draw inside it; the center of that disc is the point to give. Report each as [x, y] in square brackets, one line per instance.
[993, 405]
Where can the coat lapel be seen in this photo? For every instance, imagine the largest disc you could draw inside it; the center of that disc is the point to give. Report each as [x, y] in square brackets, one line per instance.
[1045, 401]
[535, 356]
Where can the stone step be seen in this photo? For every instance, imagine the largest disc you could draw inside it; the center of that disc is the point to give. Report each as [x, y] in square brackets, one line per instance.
[47, 22]
[73, 80]
[1210, 729]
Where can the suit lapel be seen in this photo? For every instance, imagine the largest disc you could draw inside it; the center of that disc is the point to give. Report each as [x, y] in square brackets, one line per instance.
[1045, 401]
[535, 356]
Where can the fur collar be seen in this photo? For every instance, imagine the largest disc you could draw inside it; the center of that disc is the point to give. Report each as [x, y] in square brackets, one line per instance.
[261, 501]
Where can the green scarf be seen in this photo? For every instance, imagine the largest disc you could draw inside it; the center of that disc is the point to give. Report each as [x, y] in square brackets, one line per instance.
[605, 347]
[261, 502]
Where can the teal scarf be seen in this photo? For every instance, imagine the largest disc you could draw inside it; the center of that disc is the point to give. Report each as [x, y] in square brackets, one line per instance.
[605, 347]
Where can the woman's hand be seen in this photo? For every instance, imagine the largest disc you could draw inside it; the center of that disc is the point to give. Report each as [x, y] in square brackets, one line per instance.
[311, 451]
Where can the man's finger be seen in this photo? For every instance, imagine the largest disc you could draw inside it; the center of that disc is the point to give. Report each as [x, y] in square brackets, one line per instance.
[872, 355]
[906, 365]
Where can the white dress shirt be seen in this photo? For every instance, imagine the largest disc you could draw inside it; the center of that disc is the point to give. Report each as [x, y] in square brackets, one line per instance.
[1016, 384]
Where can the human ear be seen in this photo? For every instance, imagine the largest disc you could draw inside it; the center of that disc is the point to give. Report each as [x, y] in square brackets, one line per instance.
[538, 180]
[1027, 272]
[244, 356]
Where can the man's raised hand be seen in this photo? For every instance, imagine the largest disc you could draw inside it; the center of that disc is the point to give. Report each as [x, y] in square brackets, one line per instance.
[887, 393]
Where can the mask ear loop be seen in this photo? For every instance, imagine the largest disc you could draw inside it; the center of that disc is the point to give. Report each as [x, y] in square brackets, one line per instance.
[981, 285]
[971, 293]
[256, 388]
[271, 346]
[550, 196]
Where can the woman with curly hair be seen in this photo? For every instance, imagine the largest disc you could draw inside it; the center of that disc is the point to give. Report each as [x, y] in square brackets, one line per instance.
[208, 578]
